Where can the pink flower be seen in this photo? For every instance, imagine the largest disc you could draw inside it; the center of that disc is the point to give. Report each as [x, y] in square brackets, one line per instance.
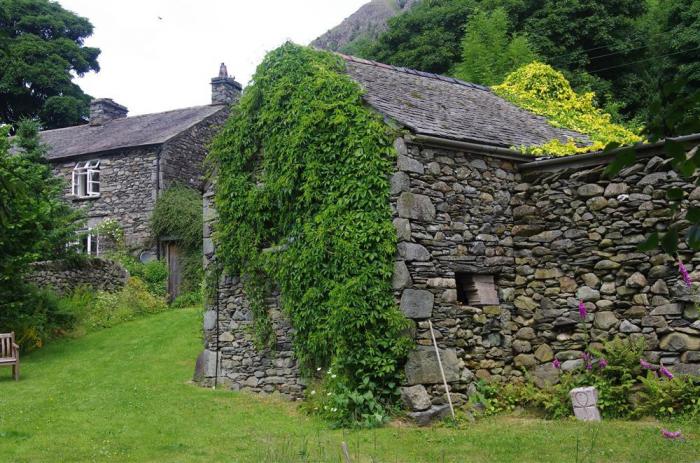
[602, 363]
[671, 435]
[684, 273]
[664, 371]
[582, 309]
[556, 364]
[645, 364]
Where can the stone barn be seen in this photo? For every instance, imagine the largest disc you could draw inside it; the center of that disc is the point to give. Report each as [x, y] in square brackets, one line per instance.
[494, 248]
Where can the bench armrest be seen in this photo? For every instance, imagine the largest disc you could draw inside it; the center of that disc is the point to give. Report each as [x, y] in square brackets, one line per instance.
[15, 346]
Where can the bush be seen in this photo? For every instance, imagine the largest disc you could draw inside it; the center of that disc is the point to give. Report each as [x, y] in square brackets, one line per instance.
[154, 274]
[35, 317]
[623, 389]
[94, 310]
[178, 213]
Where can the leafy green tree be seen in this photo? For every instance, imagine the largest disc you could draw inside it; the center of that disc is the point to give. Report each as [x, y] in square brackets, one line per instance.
[674, 104]
[489, 52]
[35, 224]
[41, 47]
[590, 40]
[427, 37]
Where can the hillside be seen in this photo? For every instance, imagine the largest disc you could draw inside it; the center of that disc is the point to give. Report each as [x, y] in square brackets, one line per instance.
[366, 23]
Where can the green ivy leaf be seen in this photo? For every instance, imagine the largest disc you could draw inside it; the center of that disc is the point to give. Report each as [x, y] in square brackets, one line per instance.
[669, 242]
[693, 215]
[652, 242]
[693, 237]
[675, 194]
[624, 158]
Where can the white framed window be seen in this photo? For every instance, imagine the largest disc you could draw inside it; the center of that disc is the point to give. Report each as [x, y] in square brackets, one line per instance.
[89, 243]
[86, 179]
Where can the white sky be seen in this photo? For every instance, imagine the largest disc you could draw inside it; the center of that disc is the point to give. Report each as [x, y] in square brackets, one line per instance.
[150, 64]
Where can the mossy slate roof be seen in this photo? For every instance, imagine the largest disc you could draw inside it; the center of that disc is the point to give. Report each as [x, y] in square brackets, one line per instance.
[435, 105]
[143, 130]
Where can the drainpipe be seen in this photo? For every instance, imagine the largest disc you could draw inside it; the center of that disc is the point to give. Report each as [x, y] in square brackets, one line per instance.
[158, 188]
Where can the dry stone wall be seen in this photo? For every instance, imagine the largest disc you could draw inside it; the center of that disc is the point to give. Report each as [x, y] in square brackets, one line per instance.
[63, 277]
[576, 235]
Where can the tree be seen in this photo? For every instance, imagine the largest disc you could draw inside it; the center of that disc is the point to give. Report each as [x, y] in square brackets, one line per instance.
[427, 37]
[41, 47]
[593, 41]
[674, 106]
[35, 224]
[489, 53]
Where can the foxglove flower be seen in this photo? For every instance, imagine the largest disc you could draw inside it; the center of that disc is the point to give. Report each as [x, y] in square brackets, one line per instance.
[664, 371]
[645, 364]
[671, 435]
[684, 273]
[582, 309]
[602, 363]
[587, 360]
[556, 364]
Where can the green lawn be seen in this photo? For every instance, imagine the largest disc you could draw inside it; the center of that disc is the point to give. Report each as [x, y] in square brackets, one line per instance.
[123, 394]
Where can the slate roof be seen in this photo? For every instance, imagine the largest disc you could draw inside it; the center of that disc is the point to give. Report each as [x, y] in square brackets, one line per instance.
[147, 129]
[430, 104]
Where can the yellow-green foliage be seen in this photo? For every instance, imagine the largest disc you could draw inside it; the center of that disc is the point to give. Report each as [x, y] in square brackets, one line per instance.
[543, 90]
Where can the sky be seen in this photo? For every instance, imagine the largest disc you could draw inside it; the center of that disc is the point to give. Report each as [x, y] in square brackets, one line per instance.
[161, 54]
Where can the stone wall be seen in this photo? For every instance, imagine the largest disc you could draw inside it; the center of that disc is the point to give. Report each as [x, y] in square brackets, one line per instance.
[182, 156]
[576, 238]
[240, 365]
[453, 214]
[62, 277]
[128, 188]
[547, 239]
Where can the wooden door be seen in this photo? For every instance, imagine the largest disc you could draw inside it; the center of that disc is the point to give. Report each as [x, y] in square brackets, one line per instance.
[172, 256]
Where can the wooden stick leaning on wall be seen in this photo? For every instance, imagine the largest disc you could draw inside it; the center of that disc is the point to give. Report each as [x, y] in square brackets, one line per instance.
[442, 371]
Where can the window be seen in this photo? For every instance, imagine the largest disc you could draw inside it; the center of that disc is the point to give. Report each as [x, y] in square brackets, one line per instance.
[474, 289]
[86, 179]
[89, 243]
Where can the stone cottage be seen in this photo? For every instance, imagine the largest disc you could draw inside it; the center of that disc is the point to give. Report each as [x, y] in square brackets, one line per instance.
[115, 165]
[495, 248]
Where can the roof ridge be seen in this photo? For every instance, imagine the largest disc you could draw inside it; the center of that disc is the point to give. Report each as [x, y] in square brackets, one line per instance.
[429, 75]
[135, 117]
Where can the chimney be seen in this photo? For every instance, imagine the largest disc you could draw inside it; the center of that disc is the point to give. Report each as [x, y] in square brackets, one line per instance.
[224, 88]
[104, 110]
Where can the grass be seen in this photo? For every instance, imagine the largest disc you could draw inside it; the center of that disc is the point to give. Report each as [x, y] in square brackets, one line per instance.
[123, 394]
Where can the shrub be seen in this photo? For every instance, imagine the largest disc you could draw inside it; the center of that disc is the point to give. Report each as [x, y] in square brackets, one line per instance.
[154, 274]
[623, 390]
[101, 309]
[178, 214]
[35, 317]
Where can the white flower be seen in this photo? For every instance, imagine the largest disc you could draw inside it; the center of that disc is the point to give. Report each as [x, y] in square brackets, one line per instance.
[334, 409]
[318, 369]
[313, 392]
[333, 376]
[329, 394]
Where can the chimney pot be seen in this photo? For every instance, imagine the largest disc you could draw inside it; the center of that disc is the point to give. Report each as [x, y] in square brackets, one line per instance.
[103, 110]
[224, 88]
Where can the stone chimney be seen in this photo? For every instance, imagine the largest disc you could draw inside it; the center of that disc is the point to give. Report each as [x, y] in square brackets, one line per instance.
[104, 110]
[224, 88]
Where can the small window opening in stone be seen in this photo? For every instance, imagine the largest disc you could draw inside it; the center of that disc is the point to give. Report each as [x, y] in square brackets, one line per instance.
[474, 289]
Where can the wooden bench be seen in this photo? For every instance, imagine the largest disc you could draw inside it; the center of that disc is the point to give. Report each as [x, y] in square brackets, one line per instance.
[9, 353]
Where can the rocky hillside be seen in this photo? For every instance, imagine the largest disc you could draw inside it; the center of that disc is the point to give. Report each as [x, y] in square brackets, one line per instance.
[367, 22]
